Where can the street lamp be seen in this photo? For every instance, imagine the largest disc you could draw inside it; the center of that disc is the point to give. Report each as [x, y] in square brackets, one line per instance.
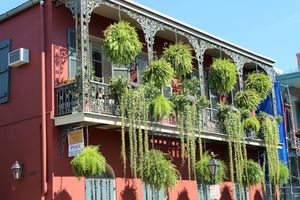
[213, 166]
[17, 169]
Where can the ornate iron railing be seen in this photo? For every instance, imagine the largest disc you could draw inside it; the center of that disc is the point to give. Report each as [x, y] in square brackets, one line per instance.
[65, 99]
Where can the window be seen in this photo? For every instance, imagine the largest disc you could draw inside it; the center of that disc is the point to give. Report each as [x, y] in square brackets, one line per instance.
[97, 62]
[72, 54]
[4, 70]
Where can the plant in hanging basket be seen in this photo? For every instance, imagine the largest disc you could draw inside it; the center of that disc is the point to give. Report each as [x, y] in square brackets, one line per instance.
[259, 82]
[159, 72]
[90, 162]
[283, 174]
[162, 107]
[122, 43]
[247, 100]
[252, 125]
[255, 174]
[223, 76]
[158, 170]
[202, 171]
[117, 87]
[180, 57]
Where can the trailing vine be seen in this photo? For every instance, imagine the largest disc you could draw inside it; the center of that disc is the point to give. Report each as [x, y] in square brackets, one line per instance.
[269, 130]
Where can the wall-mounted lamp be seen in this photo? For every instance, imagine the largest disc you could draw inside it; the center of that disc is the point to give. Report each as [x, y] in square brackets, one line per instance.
[17, 169]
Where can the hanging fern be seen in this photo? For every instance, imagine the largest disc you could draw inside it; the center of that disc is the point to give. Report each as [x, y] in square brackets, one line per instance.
[202, 171]
[158, 170]
[252, 123]
[254, 172]
[159, 72]
[90, 162]
[162, 107]
[122, 43]
[259, 82]
[247, 100]
[223, 76]
[180, 57]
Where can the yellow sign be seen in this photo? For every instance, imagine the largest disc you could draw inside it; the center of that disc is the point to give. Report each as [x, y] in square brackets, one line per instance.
[76, 142]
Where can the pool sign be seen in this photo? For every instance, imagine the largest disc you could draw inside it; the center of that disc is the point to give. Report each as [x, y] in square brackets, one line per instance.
[76, 142]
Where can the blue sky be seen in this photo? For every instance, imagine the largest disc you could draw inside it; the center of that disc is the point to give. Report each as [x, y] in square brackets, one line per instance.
[269, 27]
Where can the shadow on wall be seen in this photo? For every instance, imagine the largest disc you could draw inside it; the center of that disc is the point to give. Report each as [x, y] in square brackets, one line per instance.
[129, 193]
[183, 195]
[62, 195]
[225, 193]
[258, 196]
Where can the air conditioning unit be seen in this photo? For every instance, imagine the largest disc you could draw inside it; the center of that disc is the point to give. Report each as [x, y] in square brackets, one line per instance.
[18, 57]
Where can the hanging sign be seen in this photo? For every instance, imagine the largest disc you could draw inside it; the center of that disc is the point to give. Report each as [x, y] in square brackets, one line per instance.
[215, 193]
[76, 142]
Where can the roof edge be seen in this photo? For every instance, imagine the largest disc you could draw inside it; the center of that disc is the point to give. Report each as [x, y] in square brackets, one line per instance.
[18, 9]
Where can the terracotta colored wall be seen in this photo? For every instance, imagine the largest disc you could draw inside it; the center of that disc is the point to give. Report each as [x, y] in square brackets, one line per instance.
[20, 117]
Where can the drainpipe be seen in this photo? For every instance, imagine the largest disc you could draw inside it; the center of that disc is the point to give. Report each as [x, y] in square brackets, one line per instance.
[43, 91]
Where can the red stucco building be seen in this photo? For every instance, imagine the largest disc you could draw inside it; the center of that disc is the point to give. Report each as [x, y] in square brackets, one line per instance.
[40, 102]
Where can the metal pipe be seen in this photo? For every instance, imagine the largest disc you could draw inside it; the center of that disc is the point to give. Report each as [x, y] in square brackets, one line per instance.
[43, 103]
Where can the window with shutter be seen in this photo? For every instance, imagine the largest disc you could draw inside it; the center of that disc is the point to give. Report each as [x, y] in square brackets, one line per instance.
[4, 70]
[72, 53]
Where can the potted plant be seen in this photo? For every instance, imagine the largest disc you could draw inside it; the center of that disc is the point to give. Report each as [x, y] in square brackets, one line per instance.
[117, 87]
[89, 162]
[180, 57]
[122, 43]
[259, 82]
[283, 173]
[248, 100]
[254, 173]
[223, 77]
[252, 126]
[202, 171]
[162, 107]
[158, 171]
[159, 72]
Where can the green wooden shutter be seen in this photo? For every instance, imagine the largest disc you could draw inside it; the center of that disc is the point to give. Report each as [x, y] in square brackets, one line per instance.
[4, 70]
[72, 53]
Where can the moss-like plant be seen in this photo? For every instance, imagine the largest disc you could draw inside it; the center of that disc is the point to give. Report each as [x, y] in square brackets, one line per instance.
[223, 76]
[162, 107]
[247, 100]
[122, 43]
[159, 72]
[252, 123]
[180, 57]
[259, 82]
[283, 174]
[89, 162]
[254, 172]
[117, 87]
[202, 171]
[158, 170]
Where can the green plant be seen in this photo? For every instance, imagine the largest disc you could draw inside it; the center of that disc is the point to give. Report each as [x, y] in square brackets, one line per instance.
[252, 123]
[158, 171]
[223, 76]
[192, 86]
[247, 99]
[202, 171]
[117, 87]
[162, 107]
[93, 77]
[283, 174]
[254, 172]
[180, 57]
[269, 129]
[122, 43]
[159, 72]
[89, 162]
[259, 82]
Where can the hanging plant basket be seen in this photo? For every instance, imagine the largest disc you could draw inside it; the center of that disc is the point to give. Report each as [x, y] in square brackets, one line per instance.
[223, 76]
[259, 82]
[252, 126]
[159, 72]
[248, 100]
[255, 174]
[122, 43]
[180, 57]
[89, 163]
[162, 107]
[202, 171]
[158, 170]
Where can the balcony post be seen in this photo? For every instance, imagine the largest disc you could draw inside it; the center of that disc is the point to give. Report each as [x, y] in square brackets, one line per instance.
[82, 11]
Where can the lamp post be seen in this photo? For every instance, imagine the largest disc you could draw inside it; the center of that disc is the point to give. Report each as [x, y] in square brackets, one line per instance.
[16, 170]
[213, 166]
